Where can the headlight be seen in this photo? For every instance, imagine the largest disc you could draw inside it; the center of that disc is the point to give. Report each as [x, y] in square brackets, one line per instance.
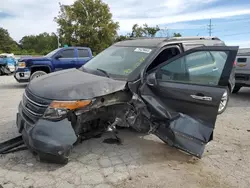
[59, 109]
[21, 64]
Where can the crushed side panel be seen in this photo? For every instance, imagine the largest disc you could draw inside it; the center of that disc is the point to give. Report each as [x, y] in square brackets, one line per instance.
[179, 130]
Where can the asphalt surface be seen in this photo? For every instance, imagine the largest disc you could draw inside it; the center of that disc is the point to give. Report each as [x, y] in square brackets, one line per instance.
[142, 161]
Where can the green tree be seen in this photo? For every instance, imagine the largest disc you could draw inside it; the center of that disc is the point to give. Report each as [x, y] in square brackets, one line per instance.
[150, 31]
[144, 31]
[87, 23]
[137, 31]
[7, 44]
[39, 44]
[177, 35]
[122, 37]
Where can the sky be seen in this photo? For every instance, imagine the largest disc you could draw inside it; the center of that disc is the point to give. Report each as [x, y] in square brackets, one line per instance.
[230, 20]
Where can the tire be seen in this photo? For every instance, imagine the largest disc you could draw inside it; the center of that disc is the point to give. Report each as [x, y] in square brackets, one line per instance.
[224, 101]
[236, 89]
[37, 74]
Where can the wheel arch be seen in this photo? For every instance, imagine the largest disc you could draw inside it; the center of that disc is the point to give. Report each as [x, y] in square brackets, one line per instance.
[44, 68]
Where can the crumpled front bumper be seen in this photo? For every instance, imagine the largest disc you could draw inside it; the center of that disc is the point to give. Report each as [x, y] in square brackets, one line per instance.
[52, 141]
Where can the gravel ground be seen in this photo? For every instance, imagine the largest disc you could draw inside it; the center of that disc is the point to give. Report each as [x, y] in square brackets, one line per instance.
[142, 161]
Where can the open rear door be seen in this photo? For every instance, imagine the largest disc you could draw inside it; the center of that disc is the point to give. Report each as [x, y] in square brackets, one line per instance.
[183, 95]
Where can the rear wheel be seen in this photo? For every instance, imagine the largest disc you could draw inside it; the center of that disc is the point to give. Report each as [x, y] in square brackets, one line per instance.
[224, 101]
[237, 89]
[37, 74]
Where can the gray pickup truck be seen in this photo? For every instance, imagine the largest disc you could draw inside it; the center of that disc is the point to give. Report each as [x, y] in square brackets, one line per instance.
[242, 71]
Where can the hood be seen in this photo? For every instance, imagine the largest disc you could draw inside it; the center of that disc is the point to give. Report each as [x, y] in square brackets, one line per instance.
[34, 58]
[73, 84]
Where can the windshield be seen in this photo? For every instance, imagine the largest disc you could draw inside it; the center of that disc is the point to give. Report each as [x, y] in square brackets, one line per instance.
[52, 53]
[119, 60]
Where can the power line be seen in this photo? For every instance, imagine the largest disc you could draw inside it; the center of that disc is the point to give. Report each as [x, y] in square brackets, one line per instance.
[237, 34]
[226, 30]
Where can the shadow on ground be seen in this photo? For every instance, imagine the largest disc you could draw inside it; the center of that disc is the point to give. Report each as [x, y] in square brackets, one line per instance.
[14, 86]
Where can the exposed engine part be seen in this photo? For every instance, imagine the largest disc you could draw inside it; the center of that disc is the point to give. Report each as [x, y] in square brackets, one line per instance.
[112, 128]
[131, 111]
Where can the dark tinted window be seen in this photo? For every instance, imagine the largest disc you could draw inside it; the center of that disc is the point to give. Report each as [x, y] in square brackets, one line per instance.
[70, 53]
[83, 53]
[204, 67]
[199, 59]
[242, 60]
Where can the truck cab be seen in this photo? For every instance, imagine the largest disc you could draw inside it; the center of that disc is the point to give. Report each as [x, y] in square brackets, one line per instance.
[58, 59]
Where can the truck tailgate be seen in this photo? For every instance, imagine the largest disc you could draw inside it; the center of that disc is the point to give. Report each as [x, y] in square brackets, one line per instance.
[243, 62]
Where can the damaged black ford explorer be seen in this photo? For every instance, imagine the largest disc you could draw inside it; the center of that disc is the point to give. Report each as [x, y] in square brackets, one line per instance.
[171, 88]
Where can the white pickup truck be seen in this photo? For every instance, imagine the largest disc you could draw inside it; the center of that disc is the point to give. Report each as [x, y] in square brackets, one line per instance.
[242, 71]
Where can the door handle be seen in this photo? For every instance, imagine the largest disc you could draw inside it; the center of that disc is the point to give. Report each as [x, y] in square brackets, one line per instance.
[215, 69]
[203, 98]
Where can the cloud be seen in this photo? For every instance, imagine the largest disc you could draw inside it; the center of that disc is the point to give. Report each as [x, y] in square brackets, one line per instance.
[240, 43]
[4, 15]
[30, 16]
[36, 16]
[126, 24]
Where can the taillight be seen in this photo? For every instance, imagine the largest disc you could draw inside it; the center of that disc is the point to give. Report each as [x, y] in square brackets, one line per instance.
[235, 63]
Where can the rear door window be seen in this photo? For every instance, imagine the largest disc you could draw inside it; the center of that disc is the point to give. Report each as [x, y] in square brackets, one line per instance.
[83, 53]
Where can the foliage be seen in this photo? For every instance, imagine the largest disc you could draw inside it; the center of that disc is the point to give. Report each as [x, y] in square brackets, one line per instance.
[7, 44]
[39, 44]
[87, 23]
[177, 35]
[144, 31]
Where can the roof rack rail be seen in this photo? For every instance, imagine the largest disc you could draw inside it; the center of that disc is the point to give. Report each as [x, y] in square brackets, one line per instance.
[134, 38]
[179, 38]
[195, 38]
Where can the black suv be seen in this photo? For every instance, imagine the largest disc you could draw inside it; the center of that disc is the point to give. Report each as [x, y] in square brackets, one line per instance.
[168, 87]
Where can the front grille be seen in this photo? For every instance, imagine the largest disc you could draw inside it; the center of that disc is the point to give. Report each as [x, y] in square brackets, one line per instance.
[242, 77]
[36, 99]
[33, 105]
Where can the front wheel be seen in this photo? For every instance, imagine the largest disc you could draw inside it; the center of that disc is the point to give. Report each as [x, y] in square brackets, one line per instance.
[224, 101]
[37, 74]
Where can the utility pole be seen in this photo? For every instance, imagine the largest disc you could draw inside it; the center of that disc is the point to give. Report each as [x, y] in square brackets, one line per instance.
[58, 41]
[210, 27]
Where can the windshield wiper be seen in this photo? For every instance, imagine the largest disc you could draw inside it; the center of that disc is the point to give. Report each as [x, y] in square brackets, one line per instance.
[105, 72]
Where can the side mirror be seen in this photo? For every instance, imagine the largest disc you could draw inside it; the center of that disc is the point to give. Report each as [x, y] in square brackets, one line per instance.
[58, 56]
[151, 79]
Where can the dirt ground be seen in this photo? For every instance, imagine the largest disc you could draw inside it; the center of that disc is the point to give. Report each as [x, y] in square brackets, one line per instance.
[142, 161]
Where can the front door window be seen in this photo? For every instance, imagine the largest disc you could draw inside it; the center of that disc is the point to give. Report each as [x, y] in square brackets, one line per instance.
[201, 68]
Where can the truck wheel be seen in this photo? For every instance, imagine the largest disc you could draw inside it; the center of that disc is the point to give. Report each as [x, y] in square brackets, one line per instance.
[37, 74]
[236, 89]
[224, 101]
